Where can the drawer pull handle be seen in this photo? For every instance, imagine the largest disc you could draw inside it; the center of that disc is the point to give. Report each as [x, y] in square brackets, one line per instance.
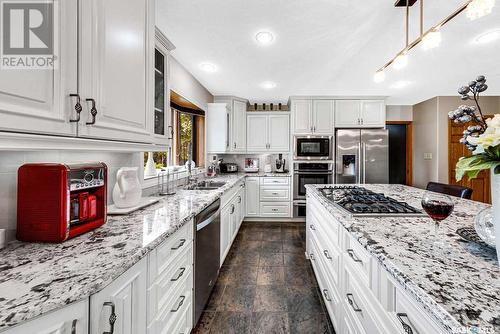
[181, 243]
[312, 256]
[78, 109]
[232, 209]
[353, 256]
[350, 299]
[93, 111]
[275, 194]
[182, 298]
[327, 255]
[406, 327]
[179, 275]
[274, 210]
[239, 199]
[112, 318]
[312, 227]
[73, 326]
[327, 297]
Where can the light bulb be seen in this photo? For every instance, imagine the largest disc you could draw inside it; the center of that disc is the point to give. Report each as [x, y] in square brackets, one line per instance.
[268, 85]
[379, 76]
[431, 40]
[208, 67]
[488, 37]
[264, 37]
[479, 8]
[400, 61]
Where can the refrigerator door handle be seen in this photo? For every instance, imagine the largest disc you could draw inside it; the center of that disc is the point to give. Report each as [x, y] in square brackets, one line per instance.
[364, 162]
[359, 163]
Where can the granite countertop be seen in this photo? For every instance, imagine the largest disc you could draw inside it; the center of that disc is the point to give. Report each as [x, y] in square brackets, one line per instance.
[460, 289]
[37, 278]
[271, 174]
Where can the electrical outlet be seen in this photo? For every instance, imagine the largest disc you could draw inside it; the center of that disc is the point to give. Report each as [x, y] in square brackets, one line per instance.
[427, 156]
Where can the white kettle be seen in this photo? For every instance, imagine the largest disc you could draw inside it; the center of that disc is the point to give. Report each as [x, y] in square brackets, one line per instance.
[127, 191]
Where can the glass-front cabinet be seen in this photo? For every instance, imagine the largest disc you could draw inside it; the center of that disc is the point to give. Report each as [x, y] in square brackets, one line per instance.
[162, 125]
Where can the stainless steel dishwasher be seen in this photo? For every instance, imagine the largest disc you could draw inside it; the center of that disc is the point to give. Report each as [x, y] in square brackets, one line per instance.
[207, 253]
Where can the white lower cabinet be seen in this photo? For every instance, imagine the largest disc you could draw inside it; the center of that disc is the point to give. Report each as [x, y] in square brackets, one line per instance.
[72, 319]
[359, 295]
[121, 306]
[231, 218]
[275, 197]
[252, 189]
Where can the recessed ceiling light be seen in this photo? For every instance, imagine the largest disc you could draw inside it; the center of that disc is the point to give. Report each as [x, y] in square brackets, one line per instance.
[400, 61]
[268, 85]
[264, 37]
[400, 84]
[208, 67]
[488, 37]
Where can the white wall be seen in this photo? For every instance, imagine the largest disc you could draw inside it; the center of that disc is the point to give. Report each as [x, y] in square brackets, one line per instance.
[185, 84]
[10, 162]
[399, 113]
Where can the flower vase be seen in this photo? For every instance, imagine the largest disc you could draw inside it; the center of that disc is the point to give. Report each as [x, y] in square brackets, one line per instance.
[495, 201]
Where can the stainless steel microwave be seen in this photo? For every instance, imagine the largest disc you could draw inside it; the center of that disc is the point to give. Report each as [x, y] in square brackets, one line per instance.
[313, 148]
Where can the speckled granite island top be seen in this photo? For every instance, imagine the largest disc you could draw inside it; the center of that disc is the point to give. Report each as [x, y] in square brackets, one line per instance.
[37, 278]
[458, 290]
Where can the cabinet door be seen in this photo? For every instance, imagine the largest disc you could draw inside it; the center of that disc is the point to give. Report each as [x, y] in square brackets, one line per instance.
[116, 68]
[216, 128]
[302, 116]
[279, 133]
[235, 219]
[252, 194]
[38, 101]
[347, 113]
[323, 117]
[373, 113]
[239, 127]
[162, 121]
[126, 297]
[257, 130]
[242, 205]
[68, 320]
[225, 230]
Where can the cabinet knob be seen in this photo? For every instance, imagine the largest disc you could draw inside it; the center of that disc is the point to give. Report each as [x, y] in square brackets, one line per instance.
[112, 317]
[406, 327]
[93, 111]
[78, 108]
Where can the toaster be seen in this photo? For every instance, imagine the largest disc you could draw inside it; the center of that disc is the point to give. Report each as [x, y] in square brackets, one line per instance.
[56, 202]
[228, 167]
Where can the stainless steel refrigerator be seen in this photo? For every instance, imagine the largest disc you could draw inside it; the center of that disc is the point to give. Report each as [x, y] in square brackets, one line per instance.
[362, 156]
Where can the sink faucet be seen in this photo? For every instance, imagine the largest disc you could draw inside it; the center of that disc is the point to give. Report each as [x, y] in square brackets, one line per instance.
[190, 178]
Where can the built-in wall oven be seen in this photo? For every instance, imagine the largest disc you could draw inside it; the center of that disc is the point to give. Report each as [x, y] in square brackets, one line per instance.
[305, 173]
[313, 148]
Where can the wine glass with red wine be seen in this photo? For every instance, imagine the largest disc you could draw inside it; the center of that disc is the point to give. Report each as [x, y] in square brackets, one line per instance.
[438, 207]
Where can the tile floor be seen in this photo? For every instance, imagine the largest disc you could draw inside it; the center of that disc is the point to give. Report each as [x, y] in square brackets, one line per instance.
[266, 286]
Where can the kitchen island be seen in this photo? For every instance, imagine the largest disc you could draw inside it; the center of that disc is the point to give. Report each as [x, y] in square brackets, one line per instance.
[37, 278]
[389, 263]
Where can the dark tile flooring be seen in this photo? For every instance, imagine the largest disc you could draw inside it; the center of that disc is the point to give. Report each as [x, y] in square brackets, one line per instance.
[266, 285]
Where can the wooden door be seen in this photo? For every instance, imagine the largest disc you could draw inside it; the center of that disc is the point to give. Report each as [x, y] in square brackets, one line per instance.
[481, 185]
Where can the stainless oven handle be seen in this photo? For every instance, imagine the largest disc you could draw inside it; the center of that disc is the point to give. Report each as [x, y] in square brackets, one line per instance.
[207, 221]
[313, 172]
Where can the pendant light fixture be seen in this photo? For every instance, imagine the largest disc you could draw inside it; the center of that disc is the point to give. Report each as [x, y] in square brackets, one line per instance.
[432, 37]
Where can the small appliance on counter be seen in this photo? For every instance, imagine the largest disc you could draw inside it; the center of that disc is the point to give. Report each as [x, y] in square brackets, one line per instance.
[56, 202]
[280, 164]
[251, 165]
[228, 167]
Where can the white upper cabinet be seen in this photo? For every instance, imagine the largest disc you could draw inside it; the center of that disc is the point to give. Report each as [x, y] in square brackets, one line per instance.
[239, 126]
[313, 117]
[322, 116]
[268, 132]
[302, 116]
[279, 133]
[217, 124]
[257, 130]
[117, 53]
[360, 113]
[373, 113]
[38, 100]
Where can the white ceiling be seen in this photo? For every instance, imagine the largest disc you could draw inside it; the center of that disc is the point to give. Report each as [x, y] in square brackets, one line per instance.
[326, 47]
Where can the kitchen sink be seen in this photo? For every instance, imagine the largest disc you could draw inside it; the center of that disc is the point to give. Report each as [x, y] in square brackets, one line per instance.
[205, 185]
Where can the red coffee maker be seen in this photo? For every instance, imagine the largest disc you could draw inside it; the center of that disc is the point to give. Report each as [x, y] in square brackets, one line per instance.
[56, 202]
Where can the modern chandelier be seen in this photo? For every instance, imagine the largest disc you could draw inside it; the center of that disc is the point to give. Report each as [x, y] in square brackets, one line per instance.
[431, 38]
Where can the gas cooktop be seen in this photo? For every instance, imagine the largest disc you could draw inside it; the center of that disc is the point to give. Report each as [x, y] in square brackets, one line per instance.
[361, 202]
